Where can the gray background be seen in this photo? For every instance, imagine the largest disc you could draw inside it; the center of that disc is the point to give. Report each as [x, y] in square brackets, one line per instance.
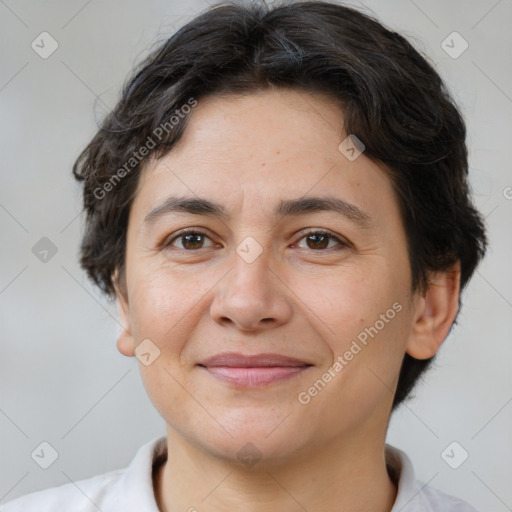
[62, 379]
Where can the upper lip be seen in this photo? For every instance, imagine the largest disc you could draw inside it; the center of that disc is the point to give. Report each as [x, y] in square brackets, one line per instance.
[235, 360]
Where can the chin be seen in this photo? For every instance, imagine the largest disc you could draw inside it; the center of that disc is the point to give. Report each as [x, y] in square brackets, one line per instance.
[254, 441]
[258, 453]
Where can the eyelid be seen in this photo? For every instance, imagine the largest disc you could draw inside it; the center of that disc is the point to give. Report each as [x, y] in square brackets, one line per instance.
[342, 241]
[183, 232]
[321, 231]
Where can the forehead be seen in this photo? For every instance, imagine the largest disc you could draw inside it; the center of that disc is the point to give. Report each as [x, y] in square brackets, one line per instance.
[263, 147]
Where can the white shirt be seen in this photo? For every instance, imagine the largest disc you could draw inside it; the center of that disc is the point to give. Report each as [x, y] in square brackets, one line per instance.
[131, 489]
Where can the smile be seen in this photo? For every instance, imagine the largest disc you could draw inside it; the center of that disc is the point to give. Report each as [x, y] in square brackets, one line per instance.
[252, 371]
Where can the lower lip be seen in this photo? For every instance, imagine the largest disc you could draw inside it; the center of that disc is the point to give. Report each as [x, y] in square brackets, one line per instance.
[251, 377]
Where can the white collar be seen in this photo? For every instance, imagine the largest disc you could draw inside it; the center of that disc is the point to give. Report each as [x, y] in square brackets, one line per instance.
[135, 487]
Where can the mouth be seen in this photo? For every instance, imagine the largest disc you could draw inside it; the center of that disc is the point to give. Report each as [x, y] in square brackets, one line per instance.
[253, 370]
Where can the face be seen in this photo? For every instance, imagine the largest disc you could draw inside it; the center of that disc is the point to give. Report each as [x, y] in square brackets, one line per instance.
[322, 295]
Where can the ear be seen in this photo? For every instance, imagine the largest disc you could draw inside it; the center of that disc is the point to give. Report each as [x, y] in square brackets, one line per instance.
[125, 341]
[435, 313]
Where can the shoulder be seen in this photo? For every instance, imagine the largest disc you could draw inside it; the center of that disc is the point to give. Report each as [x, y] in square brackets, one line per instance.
[129, 488]
[85, 495]
[435, 499]
[415, 496]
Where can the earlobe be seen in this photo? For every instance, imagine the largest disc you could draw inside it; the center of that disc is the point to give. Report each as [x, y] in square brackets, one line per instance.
[435, 313]
[125, 342]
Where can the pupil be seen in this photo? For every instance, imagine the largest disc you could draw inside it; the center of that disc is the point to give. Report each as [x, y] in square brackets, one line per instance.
[319, 241]
[192, 236]
[325, 237]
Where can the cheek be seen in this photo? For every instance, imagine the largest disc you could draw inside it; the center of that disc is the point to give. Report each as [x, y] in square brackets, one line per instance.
[168, 305]
[362, 317]
[350, 299]
[164, 309]
[161, 298]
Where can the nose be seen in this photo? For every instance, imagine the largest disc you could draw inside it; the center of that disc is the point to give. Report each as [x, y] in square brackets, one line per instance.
[252, 297]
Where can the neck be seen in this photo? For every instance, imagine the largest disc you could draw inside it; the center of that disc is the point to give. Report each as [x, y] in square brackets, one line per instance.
[334, 478]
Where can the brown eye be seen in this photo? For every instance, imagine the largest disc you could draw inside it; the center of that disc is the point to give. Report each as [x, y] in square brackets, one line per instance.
[190, 240]
[319, 240]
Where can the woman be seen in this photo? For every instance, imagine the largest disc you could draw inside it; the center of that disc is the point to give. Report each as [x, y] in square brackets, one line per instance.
[279, 204]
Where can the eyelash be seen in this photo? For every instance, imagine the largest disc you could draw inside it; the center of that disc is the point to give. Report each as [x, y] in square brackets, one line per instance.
[342, 244]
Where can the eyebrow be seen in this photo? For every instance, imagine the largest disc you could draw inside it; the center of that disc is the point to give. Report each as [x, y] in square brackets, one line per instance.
[286, 208]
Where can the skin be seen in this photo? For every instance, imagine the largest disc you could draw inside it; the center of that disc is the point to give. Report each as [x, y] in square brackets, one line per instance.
[300, 298]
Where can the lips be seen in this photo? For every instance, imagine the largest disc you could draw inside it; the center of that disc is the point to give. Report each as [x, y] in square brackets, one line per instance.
[253, 370]
[234, 360]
